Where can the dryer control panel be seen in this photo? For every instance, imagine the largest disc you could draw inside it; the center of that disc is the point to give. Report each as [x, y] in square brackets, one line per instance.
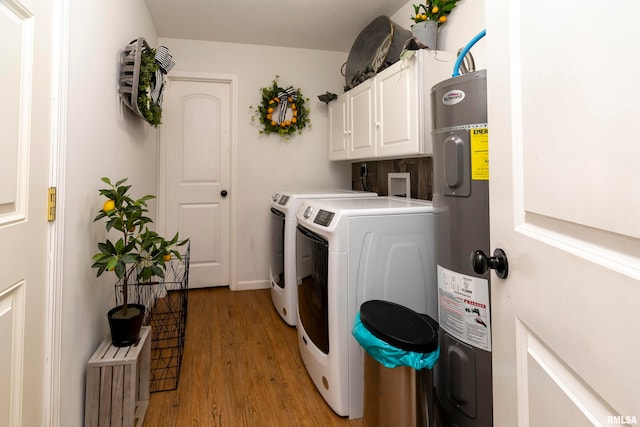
[322, 217]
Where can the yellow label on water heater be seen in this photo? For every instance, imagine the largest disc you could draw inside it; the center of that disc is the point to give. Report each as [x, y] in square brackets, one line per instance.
[479, 154]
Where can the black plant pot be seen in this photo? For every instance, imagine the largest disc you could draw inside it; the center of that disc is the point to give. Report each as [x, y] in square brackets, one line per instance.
[125, 329]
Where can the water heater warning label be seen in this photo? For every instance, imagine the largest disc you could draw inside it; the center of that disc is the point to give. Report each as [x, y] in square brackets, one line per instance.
[479, 154]
[464, 307]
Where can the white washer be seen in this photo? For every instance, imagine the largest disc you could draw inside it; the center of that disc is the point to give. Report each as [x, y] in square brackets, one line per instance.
[360, 249]
[284, 205]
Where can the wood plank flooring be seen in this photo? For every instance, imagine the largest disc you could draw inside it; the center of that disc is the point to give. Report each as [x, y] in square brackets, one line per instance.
[241, 367]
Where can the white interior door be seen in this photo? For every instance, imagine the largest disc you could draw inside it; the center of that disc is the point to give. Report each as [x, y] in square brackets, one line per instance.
[196, 135]
[563, 93]
[25, 135]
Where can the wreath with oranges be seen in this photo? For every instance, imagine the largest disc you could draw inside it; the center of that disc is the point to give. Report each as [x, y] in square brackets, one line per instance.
[282, 110]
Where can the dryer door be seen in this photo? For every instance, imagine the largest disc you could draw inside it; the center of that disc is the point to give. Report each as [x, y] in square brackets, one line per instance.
[277, 248]
[312, 264]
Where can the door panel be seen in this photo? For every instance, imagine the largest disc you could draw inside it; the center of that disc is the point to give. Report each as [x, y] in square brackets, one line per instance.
[397, 109]
[12, 336]
[339, 128]
[25, 134]
[564, 206]
[362, 120]
[196, 135]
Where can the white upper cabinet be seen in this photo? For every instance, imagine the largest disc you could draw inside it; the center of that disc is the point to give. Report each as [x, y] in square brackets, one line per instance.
[339, 130]
[389, 115]
[362, 117]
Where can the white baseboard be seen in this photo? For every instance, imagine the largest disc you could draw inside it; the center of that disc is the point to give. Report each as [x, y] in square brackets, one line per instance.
[252, 285]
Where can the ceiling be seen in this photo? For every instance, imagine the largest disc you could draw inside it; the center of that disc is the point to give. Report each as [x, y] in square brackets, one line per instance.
[309, 24]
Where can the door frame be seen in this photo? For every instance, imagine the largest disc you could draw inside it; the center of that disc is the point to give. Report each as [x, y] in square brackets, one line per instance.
[232, 80]
[55, 239]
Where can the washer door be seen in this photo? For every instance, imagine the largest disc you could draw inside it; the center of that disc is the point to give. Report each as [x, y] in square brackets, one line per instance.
[312, 264]
[277, 248]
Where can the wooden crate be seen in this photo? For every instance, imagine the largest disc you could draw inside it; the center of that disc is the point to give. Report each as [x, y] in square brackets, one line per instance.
[117, 393]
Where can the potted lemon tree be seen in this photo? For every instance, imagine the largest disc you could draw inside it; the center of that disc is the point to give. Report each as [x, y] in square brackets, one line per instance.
[138, 255]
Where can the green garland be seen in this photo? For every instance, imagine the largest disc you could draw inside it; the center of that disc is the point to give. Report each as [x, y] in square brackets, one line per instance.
[271, 104]
[151, 111]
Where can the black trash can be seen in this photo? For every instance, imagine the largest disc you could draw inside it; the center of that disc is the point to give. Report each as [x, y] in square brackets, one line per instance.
[396, 393]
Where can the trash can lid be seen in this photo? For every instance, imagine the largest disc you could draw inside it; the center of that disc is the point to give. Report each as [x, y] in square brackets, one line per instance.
[400, 326]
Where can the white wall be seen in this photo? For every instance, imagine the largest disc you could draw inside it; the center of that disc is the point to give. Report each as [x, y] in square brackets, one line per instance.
[465, 21]
[268, 163]
[102, 140]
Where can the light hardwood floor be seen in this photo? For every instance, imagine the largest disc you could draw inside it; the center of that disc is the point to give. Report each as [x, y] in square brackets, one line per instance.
[241, 367]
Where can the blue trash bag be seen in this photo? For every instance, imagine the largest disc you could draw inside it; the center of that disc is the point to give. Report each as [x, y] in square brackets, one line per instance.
[389, 355]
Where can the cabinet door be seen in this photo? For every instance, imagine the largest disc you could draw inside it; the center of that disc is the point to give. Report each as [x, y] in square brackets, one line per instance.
[362, 117]
[398, 95]
[339, 128]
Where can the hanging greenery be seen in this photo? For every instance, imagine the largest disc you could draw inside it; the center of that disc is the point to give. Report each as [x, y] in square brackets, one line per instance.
[151, 111]
[142, 79]
[282, 111]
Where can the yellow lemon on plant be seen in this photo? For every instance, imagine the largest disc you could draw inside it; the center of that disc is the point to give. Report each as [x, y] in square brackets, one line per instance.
[271, 102]
[290, 99]
[293, 106]
[442, 19]
[269, 110]
[273, 123]
[418, 16]
[166, 257]
[108, 206]
[269, 116]
[435, 9]
[293, 120]
[424, 17]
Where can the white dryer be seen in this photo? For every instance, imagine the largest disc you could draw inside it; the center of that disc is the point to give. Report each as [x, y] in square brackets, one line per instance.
[284, 205]
[351, 251]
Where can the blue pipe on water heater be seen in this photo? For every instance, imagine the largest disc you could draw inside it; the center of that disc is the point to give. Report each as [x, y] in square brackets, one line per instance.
[456, 67]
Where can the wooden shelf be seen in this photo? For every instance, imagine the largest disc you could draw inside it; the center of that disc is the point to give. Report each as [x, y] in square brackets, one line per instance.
[118, 383]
